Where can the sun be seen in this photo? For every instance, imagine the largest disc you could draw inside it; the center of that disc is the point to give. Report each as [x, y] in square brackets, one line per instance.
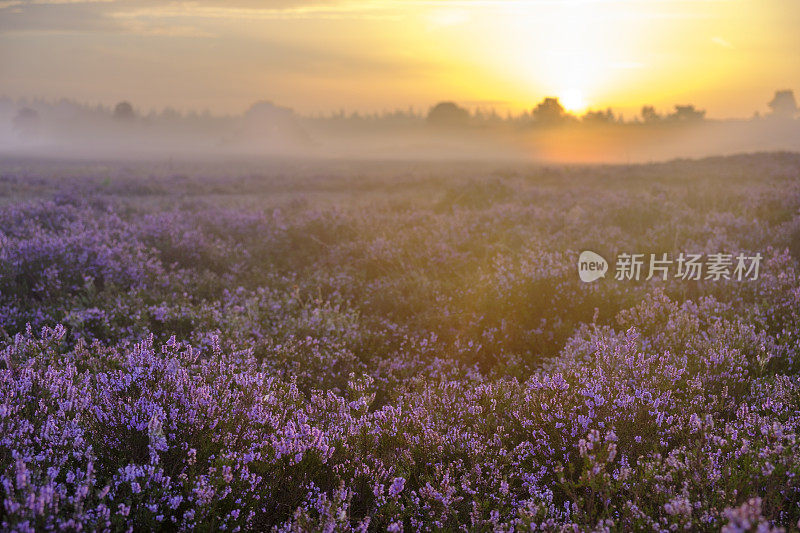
[573, 100]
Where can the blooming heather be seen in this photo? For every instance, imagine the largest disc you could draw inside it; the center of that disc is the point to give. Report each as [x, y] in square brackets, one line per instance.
[174, 356]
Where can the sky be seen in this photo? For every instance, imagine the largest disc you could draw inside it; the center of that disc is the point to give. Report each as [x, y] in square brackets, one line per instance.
[725, 56]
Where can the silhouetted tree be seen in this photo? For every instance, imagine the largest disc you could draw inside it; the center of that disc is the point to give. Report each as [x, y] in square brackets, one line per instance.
[26, 122]
[549, 111]
[448, 114]
[273, 125]
[649, 115]
[687, 113]
[783, 104]
[169, 113]
[487, 117]
[599, 117]
[123, 111]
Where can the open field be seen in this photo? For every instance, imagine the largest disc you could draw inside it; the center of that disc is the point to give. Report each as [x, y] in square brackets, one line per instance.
[396, 346]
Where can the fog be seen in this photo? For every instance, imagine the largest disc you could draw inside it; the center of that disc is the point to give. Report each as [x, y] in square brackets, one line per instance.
[549, 134]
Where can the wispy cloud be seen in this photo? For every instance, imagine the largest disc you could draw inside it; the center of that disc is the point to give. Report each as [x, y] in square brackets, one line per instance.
[138, 16]
[719, 41]
[210, 10]
[135, 15]
[626, 65]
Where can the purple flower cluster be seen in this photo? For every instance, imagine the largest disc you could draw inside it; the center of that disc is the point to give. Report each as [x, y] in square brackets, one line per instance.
[432, 364]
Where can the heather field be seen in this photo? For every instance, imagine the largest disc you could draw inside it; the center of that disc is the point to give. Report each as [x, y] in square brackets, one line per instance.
[397, 346]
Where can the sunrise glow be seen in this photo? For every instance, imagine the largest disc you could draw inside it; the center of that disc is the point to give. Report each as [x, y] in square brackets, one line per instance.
[386, 54]
[572, 100]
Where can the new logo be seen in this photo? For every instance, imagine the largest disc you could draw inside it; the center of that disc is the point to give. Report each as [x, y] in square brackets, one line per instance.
[591, 266]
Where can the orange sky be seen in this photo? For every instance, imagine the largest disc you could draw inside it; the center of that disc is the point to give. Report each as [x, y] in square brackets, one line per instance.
[727, 56]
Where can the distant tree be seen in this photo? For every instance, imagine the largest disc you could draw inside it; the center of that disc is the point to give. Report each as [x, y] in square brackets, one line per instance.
[272, 125]
[26, 122]
[599, 117]
[549, 111]
[649, 115]
[783, 104]
[448, 114]
[169, 113]
[124, 111]
[687, 113]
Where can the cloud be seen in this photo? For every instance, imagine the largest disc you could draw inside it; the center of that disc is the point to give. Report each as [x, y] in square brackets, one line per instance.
[626, 65]
[719, 41]
[242, 11]
[55, 16]
[6, 4]
[142, 16]
[153, 16]
[447, 17]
